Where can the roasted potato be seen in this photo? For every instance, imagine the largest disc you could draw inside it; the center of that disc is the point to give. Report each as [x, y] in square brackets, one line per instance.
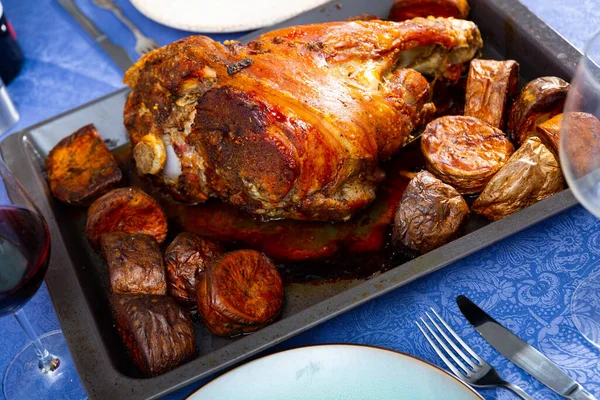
[187, 255]
[540, 100]
[531, 174]
[549, 132]
[157, 333]
[135, 263]
[408, 9]
[239, 292]
[125, 210]
[429, 214]
[80, 168]
[464, 152]
[491, 86]
[586, 135]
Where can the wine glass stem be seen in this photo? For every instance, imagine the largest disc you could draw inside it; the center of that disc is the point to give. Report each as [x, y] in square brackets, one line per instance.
[46, 361]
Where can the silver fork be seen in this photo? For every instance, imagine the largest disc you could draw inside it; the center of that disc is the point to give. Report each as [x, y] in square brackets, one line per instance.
[143, 44]
[473, 370]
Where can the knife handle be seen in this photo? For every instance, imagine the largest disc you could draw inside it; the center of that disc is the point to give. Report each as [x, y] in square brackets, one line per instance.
[580, 394]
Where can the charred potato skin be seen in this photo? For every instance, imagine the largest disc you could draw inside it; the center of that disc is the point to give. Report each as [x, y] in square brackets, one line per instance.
[408, 9]
[429, 214]
[125, 210]
[464, 152]
[491, 86]
[185, 258]
[80, 168]
[540, 100]
[156, 332]
[240, 292]
[532, 174]
[135, 263]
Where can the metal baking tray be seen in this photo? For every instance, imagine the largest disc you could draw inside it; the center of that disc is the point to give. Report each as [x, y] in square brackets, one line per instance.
[77, 277]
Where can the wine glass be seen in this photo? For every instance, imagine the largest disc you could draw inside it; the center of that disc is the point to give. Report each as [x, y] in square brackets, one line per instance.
[580, 161]
[24, 257]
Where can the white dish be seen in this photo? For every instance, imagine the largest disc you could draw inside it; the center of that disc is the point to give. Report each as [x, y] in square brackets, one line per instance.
[336, 372]
[216, 16]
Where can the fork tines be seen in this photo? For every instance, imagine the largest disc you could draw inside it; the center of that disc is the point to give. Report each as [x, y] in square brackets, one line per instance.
[450, 347]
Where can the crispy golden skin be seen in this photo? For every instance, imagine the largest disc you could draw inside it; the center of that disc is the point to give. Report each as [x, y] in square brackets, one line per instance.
[188, 255]
[464, 152]
[156, 332]
[491, 86]
[80, 168]
[125, 210]
[429, 214]
[540, 100]
[407, 9]
[531, 174]
[135, 263]
[584, 135]
[239, 292]
[295, 123]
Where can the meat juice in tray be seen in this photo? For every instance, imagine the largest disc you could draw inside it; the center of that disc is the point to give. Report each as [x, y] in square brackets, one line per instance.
[290, 242]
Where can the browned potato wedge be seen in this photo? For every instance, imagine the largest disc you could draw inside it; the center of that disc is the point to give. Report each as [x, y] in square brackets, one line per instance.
[239, 292]
[156, 332]
[490, 88]
[464, 152]
[581, 160]
[150, 154]
[135, 263]
[80, 168]
[540, 100]
[549, 132]
[187, 255]
[429, 214]
[408, 9]
[125, 210]
[531, 174]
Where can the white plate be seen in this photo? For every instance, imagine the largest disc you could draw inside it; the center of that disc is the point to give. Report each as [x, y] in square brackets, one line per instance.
[336, 372]
[214, 16]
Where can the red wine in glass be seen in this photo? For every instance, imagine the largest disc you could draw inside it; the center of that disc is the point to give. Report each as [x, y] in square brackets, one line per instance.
[24, 255]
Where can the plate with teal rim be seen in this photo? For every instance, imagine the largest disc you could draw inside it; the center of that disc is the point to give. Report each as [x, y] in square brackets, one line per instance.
[336, 372]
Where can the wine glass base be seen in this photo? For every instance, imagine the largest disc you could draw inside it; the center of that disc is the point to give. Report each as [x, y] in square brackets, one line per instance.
[585, 308]
[23, 379]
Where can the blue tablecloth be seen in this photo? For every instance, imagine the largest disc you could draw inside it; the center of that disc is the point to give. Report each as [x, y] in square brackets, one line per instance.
[526, 281]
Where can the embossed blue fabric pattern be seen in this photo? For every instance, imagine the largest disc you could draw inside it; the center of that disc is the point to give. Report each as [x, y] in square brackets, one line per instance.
[525, 282]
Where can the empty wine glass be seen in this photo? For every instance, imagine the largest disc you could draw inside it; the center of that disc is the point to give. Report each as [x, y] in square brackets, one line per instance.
[24, 257]
[580, 161]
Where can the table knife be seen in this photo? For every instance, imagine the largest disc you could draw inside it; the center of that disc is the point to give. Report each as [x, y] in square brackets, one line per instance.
[521, 353]
[117, 53]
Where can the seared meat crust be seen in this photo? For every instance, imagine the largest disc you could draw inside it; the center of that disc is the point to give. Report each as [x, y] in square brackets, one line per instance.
[295, 123]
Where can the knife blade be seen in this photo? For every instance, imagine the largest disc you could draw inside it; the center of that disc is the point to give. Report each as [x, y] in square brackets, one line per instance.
[117, 53]
[520, 353]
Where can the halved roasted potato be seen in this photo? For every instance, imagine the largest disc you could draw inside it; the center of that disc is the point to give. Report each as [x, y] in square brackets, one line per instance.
[125, 210]
[531, 174]
[491, 87]
[540, 100]
[80, 168]
[464, 152]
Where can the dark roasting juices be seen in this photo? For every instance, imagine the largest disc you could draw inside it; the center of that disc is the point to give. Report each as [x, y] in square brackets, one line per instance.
[24, 255]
